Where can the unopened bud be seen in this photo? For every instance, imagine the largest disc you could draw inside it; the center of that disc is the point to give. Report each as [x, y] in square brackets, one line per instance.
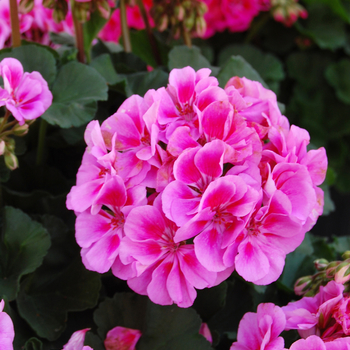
[49, 3]
[330, 271]
[346, 255]
[10, 145]
[302, 285]
[321, 264]
[25, 6]
[2, 147]
[342, 273]
[11, 160]
[103, 9]
[179, 12]
[163, 23]
[189, 22]
[60, 11]
[201, 26]
[20, 130]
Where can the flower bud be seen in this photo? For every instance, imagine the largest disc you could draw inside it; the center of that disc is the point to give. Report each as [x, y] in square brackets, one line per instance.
[2, 147]
[321, 264]
[103, 9]
[163, 23]
[11, 160]
[342, 273]
[10, 145]
[179, 12]
[25, 6]
[346, 255]
[189, 22]
[330, 271]
[20, 130]
[60, 11]
[302, 285]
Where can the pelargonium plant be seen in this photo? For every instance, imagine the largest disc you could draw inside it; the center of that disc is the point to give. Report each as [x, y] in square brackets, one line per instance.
[183, 186]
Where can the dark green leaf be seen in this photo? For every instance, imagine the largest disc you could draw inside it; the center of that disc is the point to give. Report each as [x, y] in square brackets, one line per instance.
[24, 243]
[237, 66]
[324, 27]
[125, 63]
[267, 65]
[172, 328]
[338, 76]
[94, 341]
[125, 310]
[62, 39]
[75, 92]
[142, 48]
[140, 83]
[34, 58]
[183, 56]
[336, 6]
[91, 28]
[341, 244]
[103, 64]
[45, 297]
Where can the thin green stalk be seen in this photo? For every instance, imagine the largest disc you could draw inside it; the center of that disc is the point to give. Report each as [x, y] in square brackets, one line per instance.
[125, 28]
[256, 27]
[149, 32]
[4, 121]
[16, 35]
[41, 141]
[186, 36]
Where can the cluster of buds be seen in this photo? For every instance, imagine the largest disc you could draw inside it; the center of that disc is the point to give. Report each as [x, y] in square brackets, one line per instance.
[83, 8]
[339, 271]
[7, 143]
[180, 15]
[287, 11]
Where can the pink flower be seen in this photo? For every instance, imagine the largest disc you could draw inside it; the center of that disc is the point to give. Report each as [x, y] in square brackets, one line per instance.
[205, 332]
[7, 332]
[261, 330]
[76, 341]
[28, 93]
[316, 343]
[168, 272]
[121, 338]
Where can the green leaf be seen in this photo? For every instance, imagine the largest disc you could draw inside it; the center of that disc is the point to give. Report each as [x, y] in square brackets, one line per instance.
[324, 27]
[300, 262]
[238, 66]
[341, 244]
[46, 297]
[103, 64]
[338, 76]
[172, 328]
[24, 243]
[34, 58]
[183, 56]
[75, 92]
[336, 6]
[125, 310]
[140, 83]
[90, 29]
[267, 65]
[142, 48]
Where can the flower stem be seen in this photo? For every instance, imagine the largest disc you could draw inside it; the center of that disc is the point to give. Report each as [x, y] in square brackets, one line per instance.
[4, 121]
[16, 35]
[41, 142]
[149, 32]
[125, 28]
[186, 36]
[79, 36]
[256, 27]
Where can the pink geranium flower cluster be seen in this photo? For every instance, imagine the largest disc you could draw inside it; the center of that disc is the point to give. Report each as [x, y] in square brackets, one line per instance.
[181, 187]
[323, 321]
[34, 25]
[231, 15]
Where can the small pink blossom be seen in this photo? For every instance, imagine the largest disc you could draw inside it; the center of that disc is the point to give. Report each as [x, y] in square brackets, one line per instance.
[261, 330]
[121, 338]
[7, 332]
[28, 95]
[205, 332]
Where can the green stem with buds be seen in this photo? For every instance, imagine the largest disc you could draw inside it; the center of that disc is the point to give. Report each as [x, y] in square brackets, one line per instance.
[125, 28]
[4, 121]
[16, 35]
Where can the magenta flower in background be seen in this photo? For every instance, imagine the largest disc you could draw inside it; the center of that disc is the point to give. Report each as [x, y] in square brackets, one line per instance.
[122, 338]
[7, 332]
[261, 330]
[316, 343]
[25, 95]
